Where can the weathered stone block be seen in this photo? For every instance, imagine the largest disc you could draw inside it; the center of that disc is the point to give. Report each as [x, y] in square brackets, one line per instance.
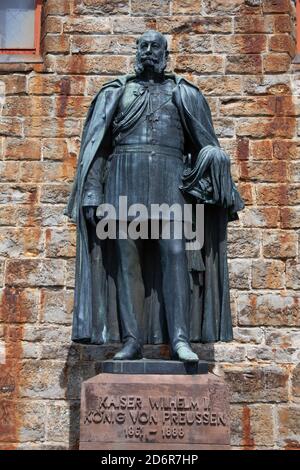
[240, 44]
[30, 350]
[248, 106]
[223, 7]
[56, 306]
[53, 24]
[60, 243]
[283, 24]
[191, 44]
[92, 64]
[103, 7]
[257, 384]
[55, 193]
[85, 44]
[268, 309]
[276, 194]
[53, 379]
[57, 43]
[268, 274]
[47, 333]
[40, 172]
[52, 127]
[218, 86]
[63, 422]
[283, 338]
[228, 353]
[11, 127]
[243, 243]
[88, 24]
[35, 272]
[253, 24]
[268, 127]
[61, 85]
[31, 417]
[288, 426]
[42, 379]
[182, 7]
[57, 8]
[18, 194]
[248, 335]
[260, 217]
[276, 62]
[52, 215]
[64, 351]
[292, 274]
[296, 381]
[290, 216]
[21, 242]
[282, 43]
[22, 149]
[19, 305]
[247, 192]
[252, 426]
[294, 172]
[259, 354]
[261, 149]
[243, 64]
[13, 84]
[263, 171]
[193, 24]
[9, 171]
[200, 63]
[279, 244]
[150, 7]
[239, 274]
[276, 6]
[70, 273]
[267, 84]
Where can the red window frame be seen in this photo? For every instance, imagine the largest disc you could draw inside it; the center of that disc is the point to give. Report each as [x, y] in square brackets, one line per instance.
[37, 34]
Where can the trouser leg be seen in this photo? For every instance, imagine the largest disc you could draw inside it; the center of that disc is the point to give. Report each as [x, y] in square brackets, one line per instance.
[130, 289]
[176, 289]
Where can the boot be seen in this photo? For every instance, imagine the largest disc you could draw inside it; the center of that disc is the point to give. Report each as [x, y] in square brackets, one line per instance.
[131, 350]
[184, 353]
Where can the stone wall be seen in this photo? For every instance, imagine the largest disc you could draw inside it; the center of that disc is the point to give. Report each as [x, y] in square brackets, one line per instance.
[239, 52]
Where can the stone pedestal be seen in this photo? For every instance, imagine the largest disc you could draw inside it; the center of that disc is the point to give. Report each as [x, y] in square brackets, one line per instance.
[185, 409]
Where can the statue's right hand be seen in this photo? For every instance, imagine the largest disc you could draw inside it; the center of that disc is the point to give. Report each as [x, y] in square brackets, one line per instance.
[90, 214]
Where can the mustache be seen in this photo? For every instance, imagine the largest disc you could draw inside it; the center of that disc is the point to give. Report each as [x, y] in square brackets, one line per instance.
[149, 57]
[158, 63]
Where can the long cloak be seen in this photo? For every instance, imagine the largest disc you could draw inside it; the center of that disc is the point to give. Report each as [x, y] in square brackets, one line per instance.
[95, 316]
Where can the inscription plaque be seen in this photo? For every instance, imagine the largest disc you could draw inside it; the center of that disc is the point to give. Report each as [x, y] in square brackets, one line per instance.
[154, 412]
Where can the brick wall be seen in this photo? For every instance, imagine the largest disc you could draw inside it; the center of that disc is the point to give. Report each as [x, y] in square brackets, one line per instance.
[239, 53]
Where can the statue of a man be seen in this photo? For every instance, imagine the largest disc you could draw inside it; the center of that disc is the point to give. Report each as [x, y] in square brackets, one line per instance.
[137, 135]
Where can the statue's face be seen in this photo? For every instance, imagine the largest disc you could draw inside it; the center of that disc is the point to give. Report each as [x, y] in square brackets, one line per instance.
[151, 53]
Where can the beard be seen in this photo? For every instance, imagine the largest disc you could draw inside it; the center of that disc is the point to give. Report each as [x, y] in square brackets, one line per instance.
[150, 62]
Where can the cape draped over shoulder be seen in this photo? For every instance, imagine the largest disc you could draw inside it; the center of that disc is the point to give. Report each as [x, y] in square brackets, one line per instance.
[95, 315]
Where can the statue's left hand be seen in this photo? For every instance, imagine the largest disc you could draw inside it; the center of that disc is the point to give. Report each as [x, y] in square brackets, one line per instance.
[90, 214]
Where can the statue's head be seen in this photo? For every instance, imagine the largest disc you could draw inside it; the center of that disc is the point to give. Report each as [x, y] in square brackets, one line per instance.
[152, 52]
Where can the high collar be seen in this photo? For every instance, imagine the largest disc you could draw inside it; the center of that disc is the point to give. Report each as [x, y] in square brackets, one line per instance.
[123, 79]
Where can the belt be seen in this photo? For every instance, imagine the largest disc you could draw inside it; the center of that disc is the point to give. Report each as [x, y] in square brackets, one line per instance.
[148, 148]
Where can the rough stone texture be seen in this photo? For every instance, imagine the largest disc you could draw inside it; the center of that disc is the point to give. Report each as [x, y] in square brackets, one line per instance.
[252, 426]
[239, 53]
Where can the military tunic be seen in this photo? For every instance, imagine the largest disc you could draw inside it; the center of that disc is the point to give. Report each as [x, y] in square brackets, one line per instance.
[146, 164]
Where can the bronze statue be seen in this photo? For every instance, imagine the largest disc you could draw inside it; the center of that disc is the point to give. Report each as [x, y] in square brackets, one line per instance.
[139, 130]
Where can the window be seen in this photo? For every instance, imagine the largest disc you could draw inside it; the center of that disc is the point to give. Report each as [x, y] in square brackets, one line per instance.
[20, 27]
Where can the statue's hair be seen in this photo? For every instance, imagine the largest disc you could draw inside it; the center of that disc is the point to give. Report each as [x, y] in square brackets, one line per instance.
[156, 32]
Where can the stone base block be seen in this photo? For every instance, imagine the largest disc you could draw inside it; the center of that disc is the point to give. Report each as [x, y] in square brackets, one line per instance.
[153, 411]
